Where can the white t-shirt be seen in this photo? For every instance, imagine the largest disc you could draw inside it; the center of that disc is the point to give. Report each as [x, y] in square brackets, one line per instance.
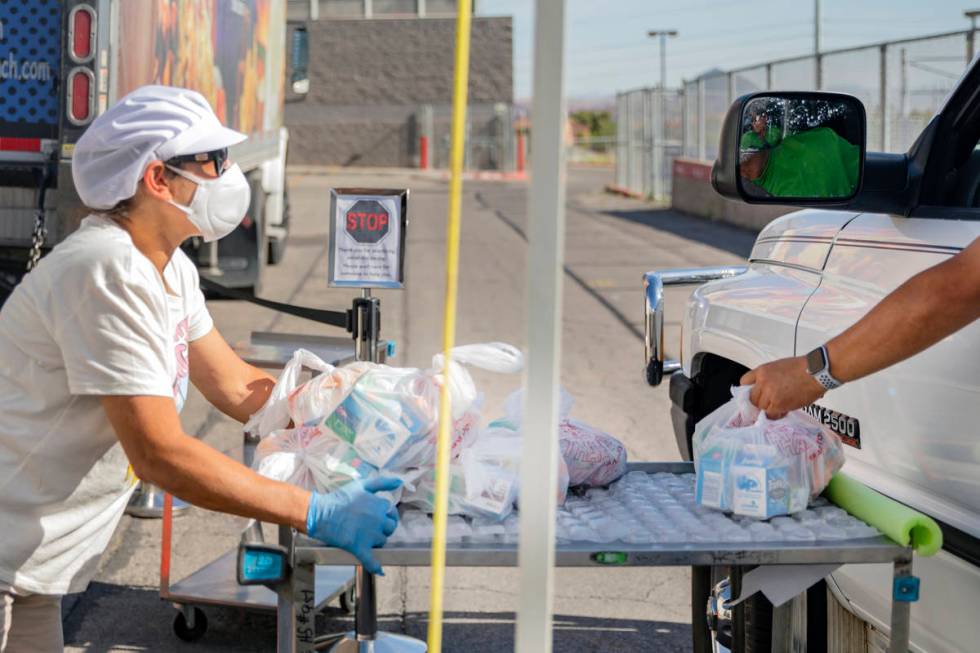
[94, 318]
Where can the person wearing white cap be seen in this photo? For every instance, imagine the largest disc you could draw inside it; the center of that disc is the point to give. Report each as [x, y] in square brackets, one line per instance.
[97, 346]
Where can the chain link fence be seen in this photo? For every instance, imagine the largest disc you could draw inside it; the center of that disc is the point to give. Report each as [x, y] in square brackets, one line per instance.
[490, 135]
[901, 83]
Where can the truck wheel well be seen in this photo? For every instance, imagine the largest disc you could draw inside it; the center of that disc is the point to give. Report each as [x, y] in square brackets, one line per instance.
[714, 377]
[693, 398]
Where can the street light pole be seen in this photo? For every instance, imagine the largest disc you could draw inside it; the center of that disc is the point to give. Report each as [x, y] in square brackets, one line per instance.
[663, 34]
[818, 70]
[658, 156]
[816, 27]
[971, 42]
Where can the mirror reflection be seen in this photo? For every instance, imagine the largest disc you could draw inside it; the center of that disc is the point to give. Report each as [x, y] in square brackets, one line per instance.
[800, 148]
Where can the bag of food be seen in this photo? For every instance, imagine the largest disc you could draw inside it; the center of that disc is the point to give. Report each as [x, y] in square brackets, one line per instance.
[309, 458]
[491, 467]
[365, 418]
[386, 413]
[593, 457]
[274, 414]
[754, 466]
[423, 491]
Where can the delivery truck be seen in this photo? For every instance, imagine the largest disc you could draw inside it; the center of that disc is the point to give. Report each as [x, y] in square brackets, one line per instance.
[63, 62]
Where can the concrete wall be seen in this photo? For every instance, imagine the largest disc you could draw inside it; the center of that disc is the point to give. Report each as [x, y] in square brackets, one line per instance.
[368, 79]
[692, 193]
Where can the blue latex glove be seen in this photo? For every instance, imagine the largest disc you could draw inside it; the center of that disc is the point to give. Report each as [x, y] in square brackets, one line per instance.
[354, 519]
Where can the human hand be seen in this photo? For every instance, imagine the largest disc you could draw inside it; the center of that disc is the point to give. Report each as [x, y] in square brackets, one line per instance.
[354, 519]
[781, 386]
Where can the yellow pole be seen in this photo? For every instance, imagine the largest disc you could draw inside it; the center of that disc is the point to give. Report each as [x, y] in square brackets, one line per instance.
[460, 83]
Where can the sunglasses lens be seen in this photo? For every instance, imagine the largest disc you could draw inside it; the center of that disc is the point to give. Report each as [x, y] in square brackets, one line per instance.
[220, 159]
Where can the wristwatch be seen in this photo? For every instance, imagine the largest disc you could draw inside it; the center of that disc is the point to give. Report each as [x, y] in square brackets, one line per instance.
[818, 366]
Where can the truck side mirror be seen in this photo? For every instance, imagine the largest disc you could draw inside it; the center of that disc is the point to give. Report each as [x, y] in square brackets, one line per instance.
[300, 78]
[804, 148]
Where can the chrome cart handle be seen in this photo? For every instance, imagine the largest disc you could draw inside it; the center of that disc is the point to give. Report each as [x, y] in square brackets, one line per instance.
[653, 324]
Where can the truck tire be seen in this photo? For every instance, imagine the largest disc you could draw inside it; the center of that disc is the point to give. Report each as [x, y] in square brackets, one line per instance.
[276, 251]
[756, 626]
[715, 377]
[277, 246]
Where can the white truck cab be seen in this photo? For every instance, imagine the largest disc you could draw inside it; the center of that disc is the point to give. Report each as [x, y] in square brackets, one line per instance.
[912, 430]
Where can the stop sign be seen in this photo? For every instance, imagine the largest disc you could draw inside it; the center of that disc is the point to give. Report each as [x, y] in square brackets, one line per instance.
[367, 221]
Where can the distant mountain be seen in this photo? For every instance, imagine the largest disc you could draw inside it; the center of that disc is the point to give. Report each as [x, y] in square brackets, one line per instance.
[711, 72]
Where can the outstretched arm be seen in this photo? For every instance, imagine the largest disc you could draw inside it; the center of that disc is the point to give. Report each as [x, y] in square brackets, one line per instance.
[922, 311]
[351, 518]
[230, 384]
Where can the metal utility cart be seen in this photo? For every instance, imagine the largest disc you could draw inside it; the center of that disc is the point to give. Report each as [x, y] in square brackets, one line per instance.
[215, 583]
[304, 557]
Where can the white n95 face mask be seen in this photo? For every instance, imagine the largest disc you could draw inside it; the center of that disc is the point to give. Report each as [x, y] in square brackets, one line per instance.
[219, 204]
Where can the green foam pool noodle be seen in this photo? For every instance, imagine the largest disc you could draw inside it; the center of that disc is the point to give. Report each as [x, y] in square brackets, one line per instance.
[900, 523]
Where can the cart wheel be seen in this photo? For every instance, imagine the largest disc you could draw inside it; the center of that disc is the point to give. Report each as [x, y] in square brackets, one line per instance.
[186, 633]
[348, 600]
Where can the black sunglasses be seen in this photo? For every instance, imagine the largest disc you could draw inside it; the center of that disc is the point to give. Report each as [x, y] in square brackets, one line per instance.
[220, 158]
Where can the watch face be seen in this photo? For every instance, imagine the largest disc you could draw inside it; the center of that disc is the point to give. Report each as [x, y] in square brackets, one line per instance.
[815, 362]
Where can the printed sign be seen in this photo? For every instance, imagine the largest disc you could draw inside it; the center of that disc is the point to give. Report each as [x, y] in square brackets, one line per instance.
[367, 238]
[367, 221]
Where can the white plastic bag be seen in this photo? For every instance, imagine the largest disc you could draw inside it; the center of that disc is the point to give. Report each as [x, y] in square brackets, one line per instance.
[422, 494]
[274, 414]
[367, 418]
[387, 416]
[380, 388]
[494, 459]
[593, 457]
[751, 465]
[320, 396]
[492, 356]
[390, 414]
[315, 460]
[308, 457]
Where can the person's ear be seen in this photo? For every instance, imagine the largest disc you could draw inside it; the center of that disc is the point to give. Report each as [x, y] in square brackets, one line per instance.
[157, 182]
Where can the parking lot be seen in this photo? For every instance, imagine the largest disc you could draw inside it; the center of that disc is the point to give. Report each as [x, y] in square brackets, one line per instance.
[611, 241]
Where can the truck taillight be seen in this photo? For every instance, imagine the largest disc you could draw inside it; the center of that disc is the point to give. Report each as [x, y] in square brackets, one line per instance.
[81, 95]
[81, 33]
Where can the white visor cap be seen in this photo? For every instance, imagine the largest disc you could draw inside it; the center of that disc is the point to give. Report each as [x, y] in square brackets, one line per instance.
[151, 123]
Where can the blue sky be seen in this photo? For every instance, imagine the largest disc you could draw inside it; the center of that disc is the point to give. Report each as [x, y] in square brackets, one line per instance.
[608, 49]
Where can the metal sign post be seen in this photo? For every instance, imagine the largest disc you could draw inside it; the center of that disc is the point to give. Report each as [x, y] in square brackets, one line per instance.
[367, 250]
[366, 325]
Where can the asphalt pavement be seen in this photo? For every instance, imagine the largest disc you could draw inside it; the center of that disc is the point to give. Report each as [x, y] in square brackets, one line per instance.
[610, 242]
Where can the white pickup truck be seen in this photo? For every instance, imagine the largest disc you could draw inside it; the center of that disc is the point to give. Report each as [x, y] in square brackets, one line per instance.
[871, 221]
